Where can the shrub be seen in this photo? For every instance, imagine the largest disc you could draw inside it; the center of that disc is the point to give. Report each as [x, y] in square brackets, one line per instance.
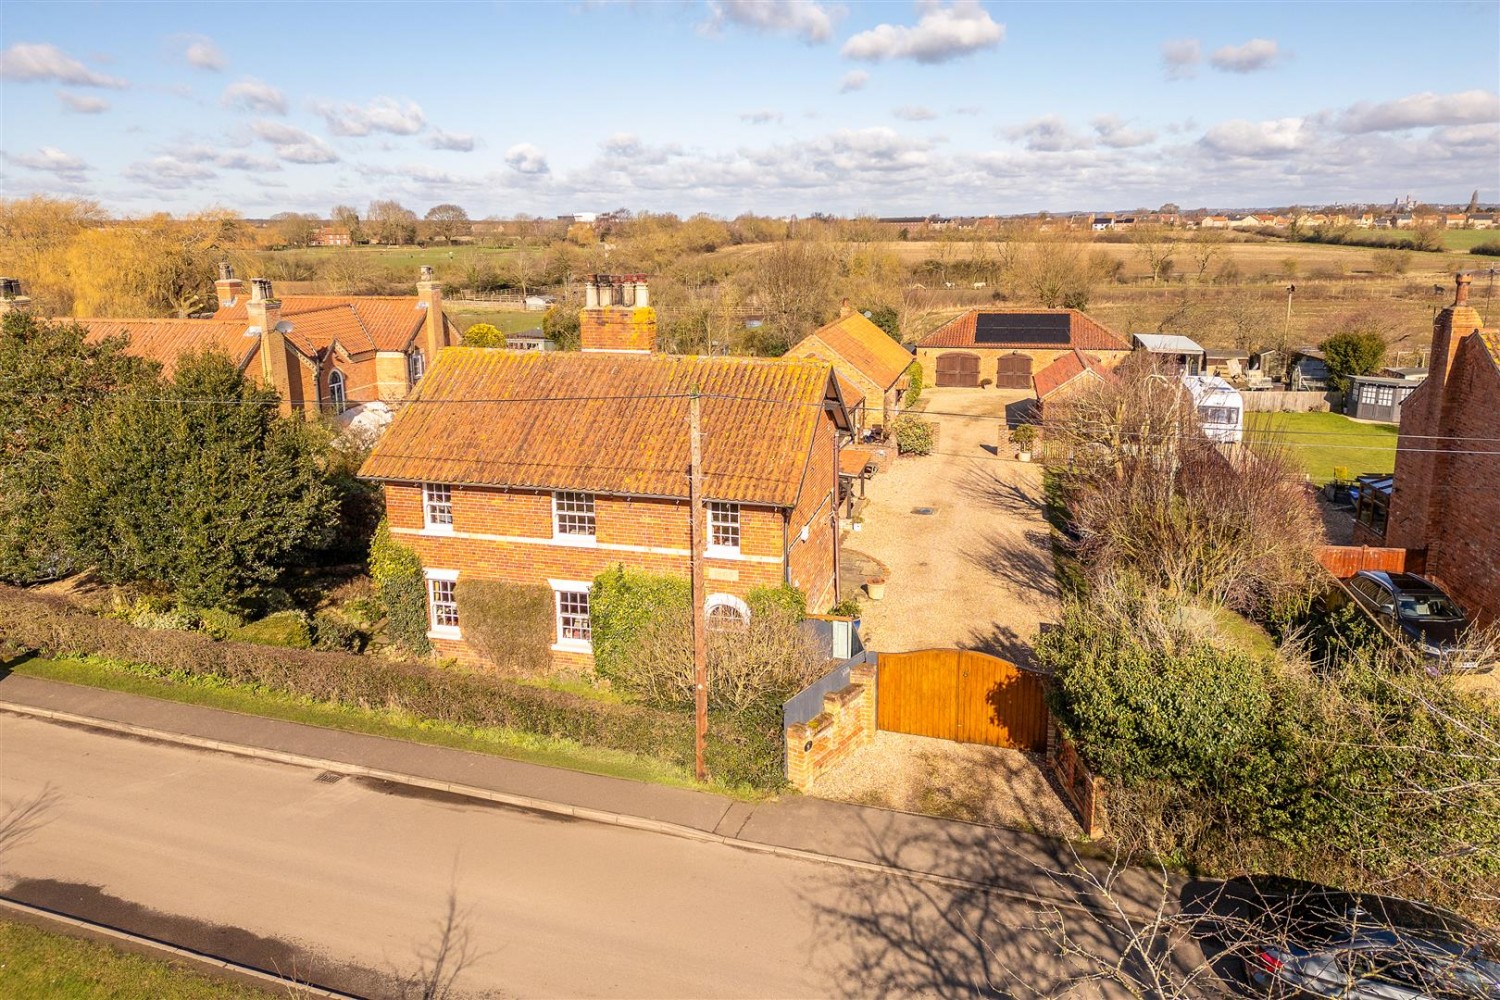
[336, 634]
[913, 436]
[401, 590]
[1489, 248]
[218, 623]
[623, 602]
[742, 748]
[285, 628]
[847, 608]
[1024, 437]
[914, 385]
[509, 624]
[483, 335]
[785, 597]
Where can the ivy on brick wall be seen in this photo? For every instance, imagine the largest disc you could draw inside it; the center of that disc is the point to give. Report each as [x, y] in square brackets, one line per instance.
[509, 624]
[401, 589]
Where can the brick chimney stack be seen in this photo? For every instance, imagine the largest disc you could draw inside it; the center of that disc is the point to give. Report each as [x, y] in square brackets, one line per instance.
[845, 309]
[264, 311]
[430, 297]
[617, 316]
[227, 288]
[11, 299]
[1450, 327]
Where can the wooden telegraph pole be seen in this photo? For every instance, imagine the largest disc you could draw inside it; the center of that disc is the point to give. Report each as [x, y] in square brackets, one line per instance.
[699, 542]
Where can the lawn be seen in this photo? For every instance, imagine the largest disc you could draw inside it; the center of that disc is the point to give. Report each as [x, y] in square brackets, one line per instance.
[1462, 239]
[214, 693]
[507, 321]
[1325, 442]
[47, 966]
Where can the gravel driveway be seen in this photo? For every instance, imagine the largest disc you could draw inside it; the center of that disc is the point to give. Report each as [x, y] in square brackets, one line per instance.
[977, 572]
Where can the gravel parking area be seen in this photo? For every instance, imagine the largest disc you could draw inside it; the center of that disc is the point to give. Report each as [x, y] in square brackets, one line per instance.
[976, 572]
[964, 781]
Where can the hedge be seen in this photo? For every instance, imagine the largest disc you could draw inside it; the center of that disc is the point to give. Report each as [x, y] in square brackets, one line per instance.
[509, 624]
[743, 750]
[401, 589]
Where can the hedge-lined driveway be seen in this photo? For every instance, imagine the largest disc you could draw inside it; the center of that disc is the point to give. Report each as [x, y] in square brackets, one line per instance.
[976, 572]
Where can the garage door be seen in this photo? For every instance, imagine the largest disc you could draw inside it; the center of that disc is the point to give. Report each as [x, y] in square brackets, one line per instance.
[1013, 371]
[958, 369]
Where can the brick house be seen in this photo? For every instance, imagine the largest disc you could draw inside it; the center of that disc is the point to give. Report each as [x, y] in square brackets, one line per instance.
[345, 355]
[1446, 495]
[1005, 346]
[547, 468]
[865, 357]
[1069, 373]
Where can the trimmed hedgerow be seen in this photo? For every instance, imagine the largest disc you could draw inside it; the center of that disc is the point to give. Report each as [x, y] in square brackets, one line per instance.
[742, 749]
[624, 603]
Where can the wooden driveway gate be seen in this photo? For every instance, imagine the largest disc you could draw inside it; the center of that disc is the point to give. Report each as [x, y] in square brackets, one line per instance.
[958, 694]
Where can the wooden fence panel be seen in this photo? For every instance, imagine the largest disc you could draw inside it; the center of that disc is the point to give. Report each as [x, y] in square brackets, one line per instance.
[1343, 561]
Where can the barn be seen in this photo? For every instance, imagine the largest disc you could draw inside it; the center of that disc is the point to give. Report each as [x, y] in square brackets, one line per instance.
[1005, 347]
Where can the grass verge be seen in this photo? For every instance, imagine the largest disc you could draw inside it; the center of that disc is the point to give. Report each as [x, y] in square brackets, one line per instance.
[211, 693]
[1323, 442]
[47, 966]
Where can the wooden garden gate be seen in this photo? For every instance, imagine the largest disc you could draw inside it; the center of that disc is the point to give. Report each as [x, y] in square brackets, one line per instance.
[958, 694]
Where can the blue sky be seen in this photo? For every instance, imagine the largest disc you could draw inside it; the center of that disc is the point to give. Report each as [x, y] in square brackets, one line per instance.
[726, 106]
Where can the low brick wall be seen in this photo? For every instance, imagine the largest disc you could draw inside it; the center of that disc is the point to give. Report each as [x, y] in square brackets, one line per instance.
[846, 722]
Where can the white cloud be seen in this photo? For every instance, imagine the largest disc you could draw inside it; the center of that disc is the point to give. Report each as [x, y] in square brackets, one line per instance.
[941, 33]
[765, 116]
[460, 142]
[1256, 54]
[83, 104]
[32, 61]
[813, 22]
[251, 94]
[1049, 134]
[236, 160]
[1257, 139]
[294, 145]
[1424, 110]
[167, 173]
[524, 158]
[968, 109]
[914, 113]
[200, 51]
[855, 79]
[384, 114]
[1114, 133]
[1476, 136]
[1181, 58]
[51, 160]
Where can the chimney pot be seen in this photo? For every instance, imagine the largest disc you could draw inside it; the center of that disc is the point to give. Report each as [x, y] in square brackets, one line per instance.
[426, 272]
[260, 290]
[845, 309]
[226, 270]
[1461, 292]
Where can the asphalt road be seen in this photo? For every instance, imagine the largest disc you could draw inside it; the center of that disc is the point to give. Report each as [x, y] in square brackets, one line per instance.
[346, 883]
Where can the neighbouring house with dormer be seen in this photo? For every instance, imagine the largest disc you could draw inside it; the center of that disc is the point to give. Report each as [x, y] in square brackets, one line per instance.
[549, 467]
[1445, 501]
[867, 358]
[352, 357]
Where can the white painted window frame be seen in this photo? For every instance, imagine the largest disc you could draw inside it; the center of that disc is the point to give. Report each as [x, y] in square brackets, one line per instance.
[719, 513]
[568, 644]
[437, 501]
[435, 628]
[589, 538]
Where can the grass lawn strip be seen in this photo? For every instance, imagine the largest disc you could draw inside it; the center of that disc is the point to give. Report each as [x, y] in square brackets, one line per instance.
[130, 678]
[1323, 442]
[42, 965]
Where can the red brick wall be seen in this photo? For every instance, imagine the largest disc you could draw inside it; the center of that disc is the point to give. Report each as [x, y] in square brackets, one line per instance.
[846, 723]
[811, 563]
[492, 529]
[1463, 540]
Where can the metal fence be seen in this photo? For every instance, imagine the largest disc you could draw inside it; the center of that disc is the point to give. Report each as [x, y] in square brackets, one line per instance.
[808, 703]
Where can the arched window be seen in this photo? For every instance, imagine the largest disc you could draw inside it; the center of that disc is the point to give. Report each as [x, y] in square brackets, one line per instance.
[416, 365]
[337, 395]
[726, 611]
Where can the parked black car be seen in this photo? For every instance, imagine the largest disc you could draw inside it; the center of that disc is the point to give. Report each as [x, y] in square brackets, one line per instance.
[1418, 610]
[1311, 940]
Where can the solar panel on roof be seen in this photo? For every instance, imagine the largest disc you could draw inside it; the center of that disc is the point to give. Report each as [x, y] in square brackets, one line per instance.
[1023, 328]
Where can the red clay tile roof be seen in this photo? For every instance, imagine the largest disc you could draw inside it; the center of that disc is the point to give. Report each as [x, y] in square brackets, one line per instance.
[865, 346]
[387, 322]
[1083, 332]
[606, 423]
[1062, 371]
[852, 395]
[852, 461]
[165, 340]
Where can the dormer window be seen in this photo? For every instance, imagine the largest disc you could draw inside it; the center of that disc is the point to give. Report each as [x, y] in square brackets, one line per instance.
[416, 366]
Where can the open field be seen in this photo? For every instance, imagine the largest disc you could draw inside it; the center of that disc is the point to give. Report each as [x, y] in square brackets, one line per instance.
[506, 321]
[1324, 442]
[46, 966]
[1463, 239]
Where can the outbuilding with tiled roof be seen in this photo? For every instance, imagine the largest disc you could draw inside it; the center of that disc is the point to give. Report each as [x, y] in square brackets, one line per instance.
[864, 355]
[1005, 347]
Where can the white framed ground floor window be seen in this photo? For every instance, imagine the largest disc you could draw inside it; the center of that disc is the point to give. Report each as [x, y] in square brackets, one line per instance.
[442, 604]
[570, 602]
